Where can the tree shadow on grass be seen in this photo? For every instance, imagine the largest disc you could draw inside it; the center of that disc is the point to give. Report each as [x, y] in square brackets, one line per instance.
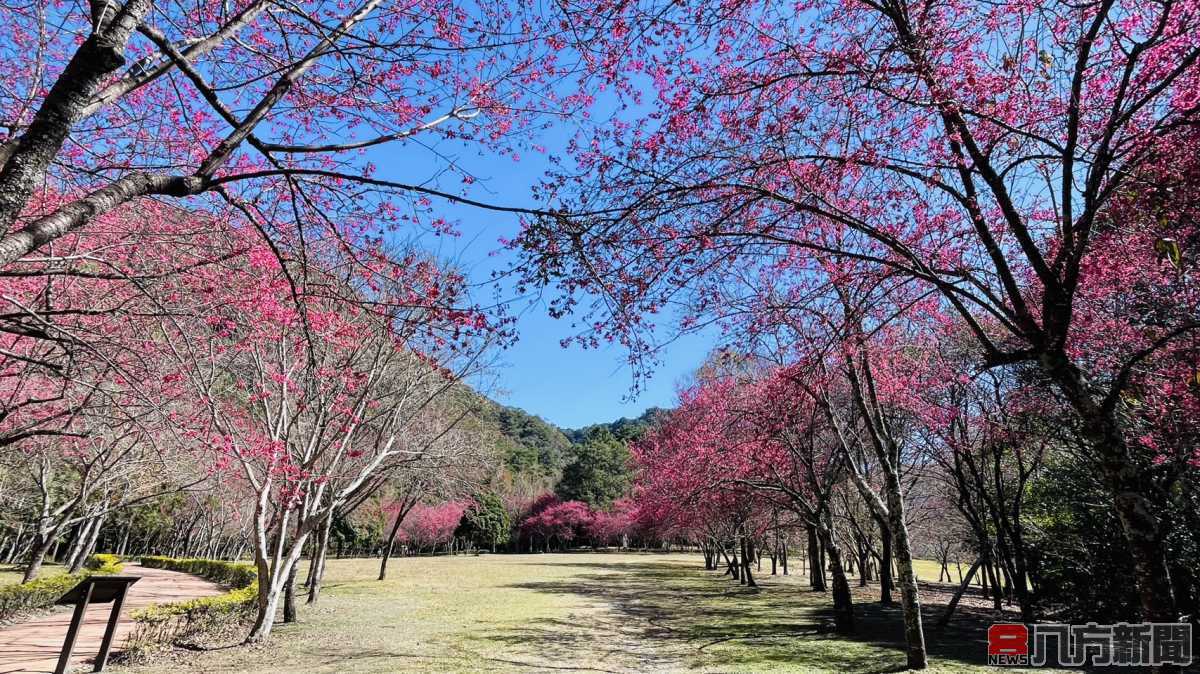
[654, 615]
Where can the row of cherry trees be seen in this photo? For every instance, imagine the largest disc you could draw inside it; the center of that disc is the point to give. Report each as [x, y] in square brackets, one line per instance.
[211, 341]
[895, 446]
[292, 391]
[858, 191]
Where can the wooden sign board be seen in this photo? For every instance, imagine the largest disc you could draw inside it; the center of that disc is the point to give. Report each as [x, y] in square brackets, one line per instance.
[94, 590]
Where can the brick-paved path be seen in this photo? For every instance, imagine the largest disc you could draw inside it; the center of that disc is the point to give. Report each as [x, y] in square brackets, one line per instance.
[34, 645]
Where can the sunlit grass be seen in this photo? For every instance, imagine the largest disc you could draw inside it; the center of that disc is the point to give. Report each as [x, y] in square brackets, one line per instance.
[578, 612]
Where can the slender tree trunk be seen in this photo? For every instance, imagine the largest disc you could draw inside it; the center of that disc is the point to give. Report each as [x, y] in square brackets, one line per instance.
[42, 544]
[317, 566]
[289, 595]
[387, 545]
[88, 545]
[910, 597]
[79, 542]
[12, 551]
[747, 554]
[994, 580]
[843, 602]
[124, 546]
[268, 604]
[885, 566]
[964, 583]
[824, 565]
[270, 592]
[816, 573]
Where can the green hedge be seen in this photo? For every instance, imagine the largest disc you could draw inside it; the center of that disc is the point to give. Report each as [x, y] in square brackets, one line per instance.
[16, 600]
[235, 575]
[161, 624]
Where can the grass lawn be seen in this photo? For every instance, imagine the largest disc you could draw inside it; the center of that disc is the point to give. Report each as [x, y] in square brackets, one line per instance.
[603, 612]
[10, 573]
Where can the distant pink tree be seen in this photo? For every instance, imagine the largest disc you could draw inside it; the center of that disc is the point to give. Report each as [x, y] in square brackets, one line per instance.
[428, 527]
[615, 526]
[553, 520]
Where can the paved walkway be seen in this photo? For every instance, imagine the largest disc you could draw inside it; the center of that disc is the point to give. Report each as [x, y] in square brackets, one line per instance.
[34, 645]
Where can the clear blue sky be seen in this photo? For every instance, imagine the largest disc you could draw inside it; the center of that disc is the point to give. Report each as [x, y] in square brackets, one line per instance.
[570, 387]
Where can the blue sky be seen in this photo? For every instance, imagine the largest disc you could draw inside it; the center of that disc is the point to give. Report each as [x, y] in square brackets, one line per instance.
[570, 387]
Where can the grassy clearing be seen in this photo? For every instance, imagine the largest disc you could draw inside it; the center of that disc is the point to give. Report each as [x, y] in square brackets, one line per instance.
[10, 573]
[576, 612]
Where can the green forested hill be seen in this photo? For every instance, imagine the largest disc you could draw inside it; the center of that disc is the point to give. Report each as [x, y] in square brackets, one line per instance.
[589, 463]
[528, 443]
[625, 428]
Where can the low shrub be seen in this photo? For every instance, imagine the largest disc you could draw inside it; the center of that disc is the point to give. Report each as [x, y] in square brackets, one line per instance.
[103, 564]
[234, 575]
[159, 625]
[20, 599]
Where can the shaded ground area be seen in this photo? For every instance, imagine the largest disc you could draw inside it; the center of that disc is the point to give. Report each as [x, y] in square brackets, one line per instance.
[34, 645]
[670, 614]
[602, 612]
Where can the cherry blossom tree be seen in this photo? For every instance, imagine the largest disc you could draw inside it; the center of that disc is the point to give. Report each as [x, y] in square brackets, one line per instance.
[89, 411]
[254, 118]
[732, 450]
[257, 112]
[308, 398]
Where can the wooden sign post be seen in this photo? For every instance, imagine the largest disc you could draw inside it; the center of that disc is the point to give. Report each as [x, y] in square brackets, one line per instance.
[94, 590]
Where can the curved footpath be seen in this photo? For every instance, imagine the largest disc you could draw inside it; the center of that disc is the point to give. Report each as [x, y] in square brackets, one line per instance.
[34, 645]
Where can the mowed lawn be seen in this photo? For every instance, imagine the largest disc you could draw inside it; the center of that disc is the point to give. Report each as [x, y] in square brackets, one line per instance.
[10, 573]
[603, 612]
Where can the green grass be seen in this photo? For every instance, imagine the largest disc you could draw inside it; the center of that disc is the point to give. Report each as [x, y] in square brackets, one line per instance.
[10, 573]
[577, 612]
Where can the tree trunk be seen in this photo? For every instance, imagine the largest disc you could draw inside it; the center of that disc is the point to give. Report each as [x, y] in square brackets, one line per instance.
[1125, 480]
[387, 545]
[124, 546]
[78, 541]
[12, 551]
[37, 555]
[910, 597]
[997, 593]
[843, 602]
[962, 588]
[270, 591]
[88, 544]
[747, 554]
[816, 573]
[268, 603]
[289, 596]
[885, 567]
[317, 566]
